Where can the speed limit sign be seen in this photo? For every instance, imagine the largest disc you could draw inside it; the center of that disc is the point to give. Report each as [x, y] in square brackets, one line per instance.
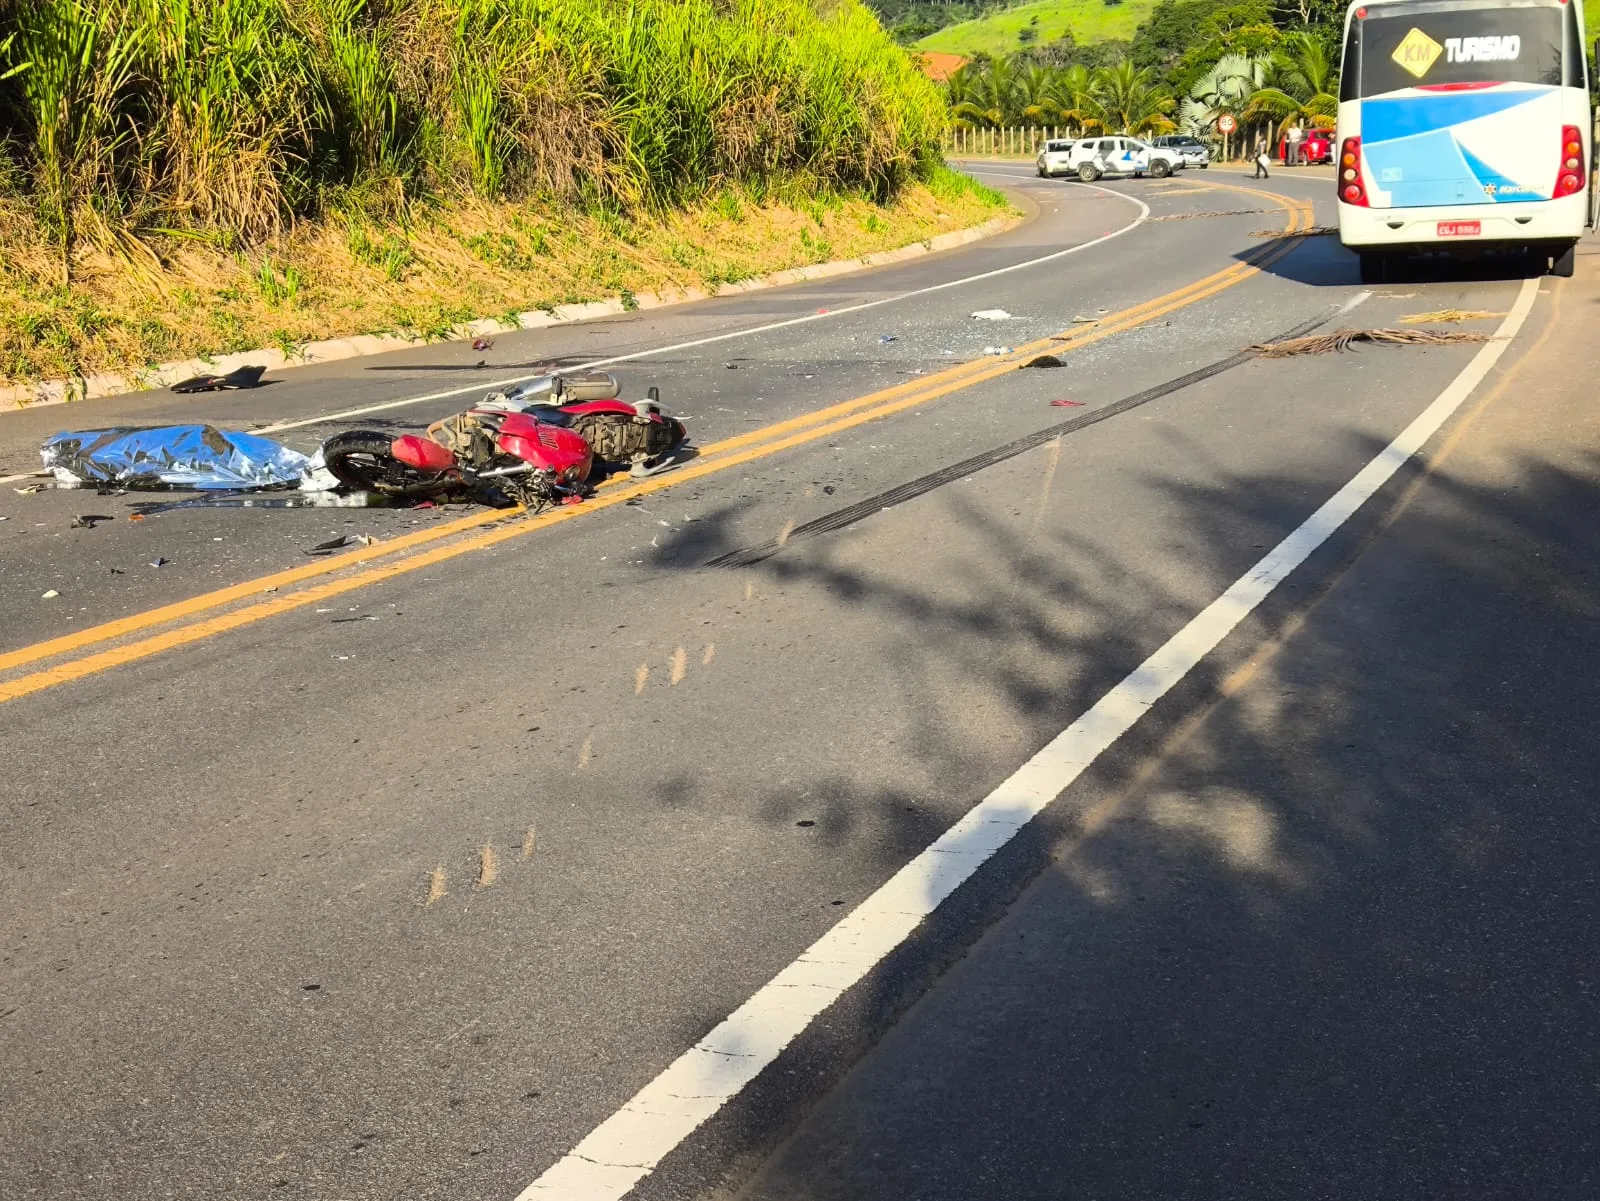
[1226, 123]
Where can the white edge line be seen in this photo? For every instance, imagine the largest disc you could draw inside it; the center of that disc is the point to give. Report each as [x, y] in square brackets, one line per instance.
[1144, 212]
[627, 1146]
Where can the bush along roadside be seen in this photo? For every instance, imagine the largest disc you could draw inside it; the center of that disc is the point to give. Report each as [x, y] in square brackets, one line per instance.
[193, 176]
[426, 279]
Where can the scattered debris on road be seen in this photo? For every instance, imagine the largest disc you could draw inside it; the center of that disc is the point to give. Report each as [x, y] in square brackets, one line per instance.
[87, 521]
[887, 338]
[1217, 213]
[997, 350]
[1448, 317]
[51, 595]
[244, 377]
[159, 561]
[1343, 339]
[333, 544]
[991, 315]
[28, 489]
[1044, 360]
[482, 344]
[1316, 231]
[1066, 404]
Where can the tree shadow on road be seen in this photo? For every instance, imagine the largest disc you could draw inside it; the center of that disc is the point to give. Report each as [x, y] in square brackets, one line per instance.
[1324, 925]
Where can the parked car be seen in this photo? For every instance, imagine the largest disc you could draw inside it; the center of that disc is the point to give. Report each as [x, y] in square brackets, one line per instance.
[1316, 148]
[1055, 158]
[1190, 149]
[1121, 156]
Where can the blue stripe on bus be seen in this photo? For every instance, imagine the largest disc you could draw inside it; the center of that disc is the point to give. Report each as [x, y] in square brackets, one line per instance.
[1407, 116]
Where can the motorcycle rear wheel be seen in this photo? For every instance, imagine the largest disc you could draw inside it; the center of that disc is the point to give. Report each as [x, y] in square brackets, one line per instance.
[618, 440]
[361, 460]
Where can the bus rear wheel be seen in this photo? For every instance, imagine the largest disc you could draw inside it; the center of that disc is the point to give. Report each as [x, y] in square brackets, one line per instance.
[1566, 262]
[1374, 267]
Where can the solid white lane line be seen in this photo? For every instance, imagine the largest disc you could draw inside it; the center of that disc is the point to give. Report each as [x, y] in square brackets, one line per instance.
[627, 1146]
[481, 387]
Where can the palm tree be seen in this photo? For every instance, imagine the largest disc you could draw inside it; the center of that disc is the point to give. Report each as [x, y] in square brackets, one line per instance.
[1075, 99]
[963, 91]
[1130, 103]
[1226, 88]
[990, 94]
[1301, 85]
[1036, 96]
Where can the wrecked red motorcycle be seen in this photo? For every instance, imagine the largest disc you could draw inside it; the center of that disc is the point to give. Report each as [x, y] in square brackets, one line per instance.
[536, 444]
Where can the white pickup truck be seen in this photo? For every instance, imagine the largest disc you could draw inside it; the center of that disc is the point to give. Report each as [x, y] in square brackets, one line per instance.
[1121, 156]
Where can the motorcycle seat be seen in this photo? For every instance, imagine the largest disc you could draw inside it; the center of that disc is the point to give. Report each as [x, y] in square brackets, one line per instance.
[549, 414]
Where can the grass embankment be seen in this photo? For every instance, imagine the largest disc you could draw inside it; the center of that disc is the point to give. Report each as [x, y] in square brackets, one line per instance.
[449, 264]
[1088, 21]
[182, 177]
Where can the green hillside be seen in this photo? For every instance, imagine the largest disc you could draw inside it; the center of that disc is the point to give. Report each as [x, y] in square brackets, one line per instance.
[1087, 21]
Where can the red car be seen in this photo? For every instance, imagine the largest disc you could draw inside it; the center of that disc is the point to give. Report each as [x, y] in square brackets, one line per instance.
[1317, 147]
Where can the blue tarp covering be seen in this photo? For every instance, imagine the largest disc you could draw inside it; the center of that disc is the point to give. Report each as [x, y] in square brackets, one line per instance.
[173, 456]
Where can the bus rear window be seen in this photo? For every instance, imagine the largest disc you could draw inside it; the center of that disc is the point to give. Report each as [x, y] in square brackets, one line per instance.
[1461, 46]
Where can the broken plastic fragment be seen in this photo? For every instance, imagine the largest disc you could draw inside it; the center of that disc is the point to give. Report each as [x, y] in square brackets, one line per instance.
[997, 350]
[482, 343]
[333, 544]
[51, 595]
[1066, 404]
[991, 315]
[244, 377]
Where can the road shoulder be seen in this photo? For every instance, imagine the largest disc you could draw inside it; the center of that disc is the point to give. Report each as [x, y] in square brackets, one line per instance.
[1343, 935]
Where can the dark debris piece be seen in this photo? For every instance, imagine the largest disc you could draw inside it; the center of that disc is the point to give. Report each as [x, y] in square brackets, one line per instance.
[244, 377]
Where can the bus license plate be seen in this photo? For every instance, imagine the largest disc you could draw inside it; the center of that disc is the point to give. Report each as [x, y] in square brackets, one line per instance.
[1460, 229]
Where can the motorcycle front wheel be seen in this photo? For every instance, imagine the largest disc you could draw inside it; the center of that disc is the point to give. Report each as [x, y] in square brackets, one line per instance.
[361, 460]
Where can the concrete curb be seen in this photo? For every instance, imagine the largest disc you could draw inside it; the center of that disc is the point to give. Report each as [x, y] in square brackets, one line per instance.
[63, 391]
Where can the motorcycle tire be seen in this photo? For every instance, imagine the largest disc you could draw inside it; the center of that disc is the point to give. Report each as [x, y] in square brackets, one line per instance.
[617, 439]
[361, 461]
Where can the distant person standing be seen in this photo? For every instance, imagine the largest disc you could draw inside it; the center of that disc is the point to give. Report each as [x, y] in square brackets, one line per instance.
[1296, 136]
[1261, 156]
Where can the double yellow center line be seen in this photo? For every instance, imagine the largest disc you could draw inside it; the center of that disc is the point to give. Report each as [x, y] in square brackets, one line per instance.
[225, 609]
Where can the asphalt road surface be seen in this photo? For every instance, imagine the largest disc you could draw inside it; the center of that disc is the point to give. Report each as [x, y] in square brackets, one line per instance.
[436, 868]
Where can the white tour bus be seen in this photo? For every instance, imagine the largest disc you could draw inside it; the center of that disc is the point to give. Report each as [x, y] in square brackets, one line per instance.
[1464, 125]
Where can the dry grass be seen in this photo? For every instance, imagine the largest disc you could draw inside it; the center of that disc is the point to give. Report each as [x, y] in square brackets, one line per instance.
[437, 268]
[436, 888]
[1448, 317]
[488, 866]
[1316, 231]
[1344, 339]
[1210, 213]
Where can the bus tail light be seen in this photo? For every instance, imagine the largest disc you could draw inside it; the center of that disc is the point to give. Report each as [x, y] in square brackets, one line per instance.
[1351, 189]
[1570, 179]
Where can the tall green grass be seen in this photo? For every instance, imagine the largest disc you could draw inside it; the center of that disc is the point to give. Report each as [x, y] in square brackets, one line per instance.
[230, 118]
